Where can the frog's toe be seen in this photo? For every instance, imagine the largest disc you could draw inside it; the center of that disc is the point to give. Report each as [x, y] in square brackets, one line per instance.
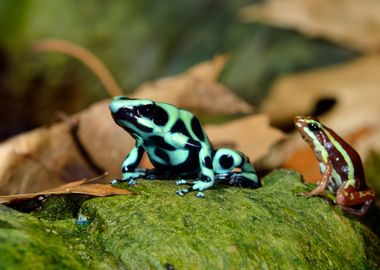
[200, 194]
[115, 182]
[150, 177]
[183, 182]
[223, 176]
[132, 182]
[201, 185]
[182, 192]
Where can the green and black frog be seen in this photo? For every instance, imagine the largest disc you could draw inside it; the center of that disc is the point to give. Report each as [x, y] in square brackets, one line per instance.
[176, 144]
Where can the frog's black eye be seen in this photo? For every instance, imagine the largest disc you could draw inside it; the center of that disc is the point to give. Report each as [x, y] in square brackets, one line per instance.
[146, 110]
[313, 127]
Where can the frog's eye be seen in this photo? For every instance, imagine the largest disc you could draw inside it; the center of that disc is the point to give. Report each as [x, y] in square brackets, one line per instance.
[313, 126]
[146, 111]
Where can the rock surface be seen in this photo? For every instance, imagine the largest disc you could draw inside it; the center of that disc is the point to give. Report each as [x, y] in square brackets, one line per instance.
[232, 228]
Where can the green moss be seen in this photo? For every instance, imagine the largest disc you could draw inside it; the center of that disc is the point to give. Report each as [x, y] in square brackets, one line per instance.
[232, 228]
[26, 244]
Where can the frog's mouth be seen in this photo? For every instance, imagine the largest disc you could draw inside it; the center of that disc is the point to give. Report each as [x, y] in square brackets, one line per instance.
[300, 124]
[306, 138]
[128, 119]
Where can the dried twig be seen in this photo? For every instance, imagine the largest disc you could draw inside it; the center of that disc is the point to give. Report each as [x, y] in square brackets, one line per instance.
[84, 56]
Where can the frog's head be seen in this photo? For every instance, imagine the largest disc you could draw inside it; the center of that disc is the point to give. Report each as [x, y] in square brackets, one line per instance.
[137, 116]
[311, 130]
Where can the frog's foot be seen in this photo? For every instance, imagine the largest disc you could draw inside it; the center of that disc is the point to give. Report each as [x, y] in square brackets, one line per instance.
[359, 213]
[183, 182]
[131, 182]
[183, 192]
[195, 186]
[130, 177]
[150, 174]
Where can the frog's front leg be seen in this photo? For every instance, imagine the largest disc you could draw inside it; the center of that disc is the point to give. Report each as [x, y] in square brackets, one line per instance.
[207, 176]
[130, 163]
[348, 196]
[321, 188]
[225, 161]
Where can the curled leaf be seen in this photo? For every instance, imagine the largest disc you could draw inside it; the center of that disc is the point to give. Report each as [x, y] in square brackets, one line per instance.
[351, 23]
[197, 90]
[76, 187]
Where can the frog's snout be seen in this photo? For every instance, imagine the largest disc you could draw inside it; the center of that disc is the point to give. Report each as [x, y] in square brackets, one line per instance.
[113, 107]
[300, 122]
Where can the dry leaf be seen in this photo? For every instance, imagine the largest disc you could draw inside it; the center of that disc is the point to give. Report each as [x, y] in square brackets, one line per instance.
[76, 187]
[42, 158]
[351, 23]
[47, 157]
[105, 142]
[252, 135]
[353, 85]
[196, 90]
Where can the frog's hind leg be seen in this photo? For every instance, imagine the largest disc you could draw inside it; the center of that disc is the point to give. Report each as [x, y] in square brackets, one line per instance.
[206, 175]
[226, 160]
[347, 196]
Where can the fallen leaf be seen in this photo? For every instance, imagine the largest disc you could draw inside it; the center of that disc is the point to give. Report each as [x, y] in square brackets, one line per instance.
[354, 88]
[44, 157]
[105, 142]
[48, 157]
[196, 90]
[353, 85]
[351, 23]
[76, 187]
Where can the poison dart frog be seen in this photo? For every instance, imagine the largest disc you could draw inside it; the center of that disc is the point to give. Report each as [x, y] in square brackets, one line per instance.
[340, 165]
[176, 144]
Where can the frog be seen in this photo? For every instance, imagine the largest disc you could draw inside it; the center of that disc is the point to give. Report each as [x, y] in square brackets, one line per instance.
[340, 165]
[176, 144]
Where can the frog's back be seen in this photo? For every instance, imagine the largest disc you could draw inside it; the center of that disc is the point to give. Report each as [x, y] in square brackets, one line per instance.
[348, 161]
[191, 126]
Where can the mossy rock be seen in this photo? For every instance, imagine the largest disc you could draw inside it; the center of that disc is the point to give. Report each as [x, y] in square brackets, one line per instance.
[232, 228]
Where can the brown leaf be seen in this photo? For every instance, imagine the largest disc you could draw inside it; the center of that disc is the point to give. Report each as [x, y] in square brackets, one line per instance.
[77, 187]
[252, 135]
[354, 87]
[105, 142]
[350, 23]
[196, 90]
[42, 158]
[47, 157]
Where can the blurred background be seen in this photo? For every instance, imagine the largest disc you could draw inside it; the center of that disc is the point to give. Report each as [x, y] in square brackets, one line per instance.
[138, 41]
[284, 58]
